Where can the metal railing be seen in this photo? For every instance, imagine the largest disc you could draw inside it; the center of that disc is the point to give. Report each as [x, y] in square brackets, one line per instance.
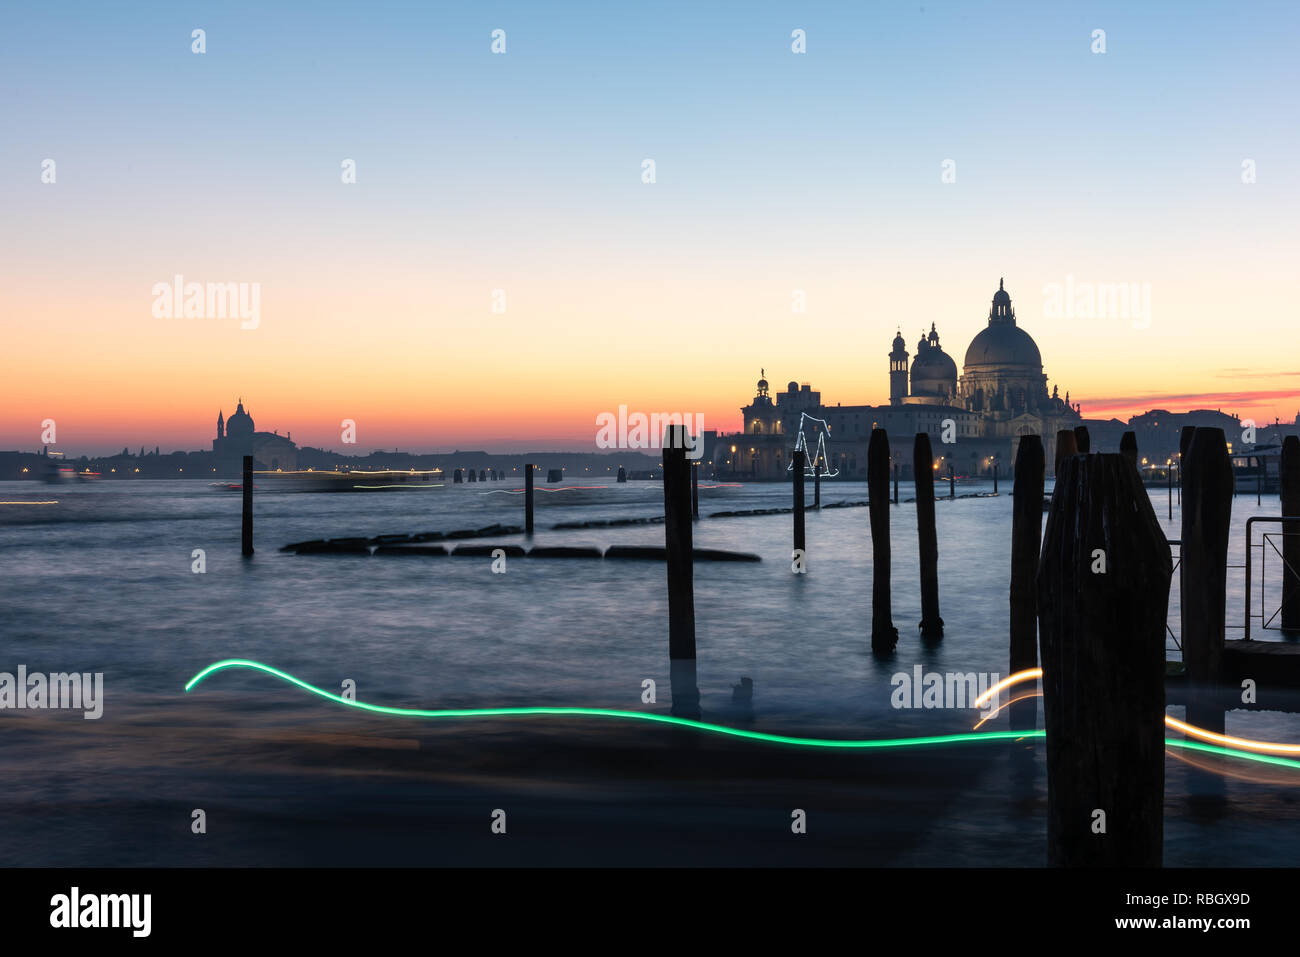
[1286, 566]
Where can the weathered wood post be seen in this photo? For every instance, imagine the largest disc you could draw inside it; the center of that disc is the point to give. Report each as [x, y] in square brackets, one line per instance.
[1289, 493]
[622, 474]
[1184, 443]
[1066, 445]
[528, 498]
[1103, 587]
[896, 471]
[1026, 543]
[928, 539]
[796, 475]
[995, 476]
[1128, 447]
[1259, 479]
[246, 530]
[817, 484]
[952, 481]
[884, 636]
[680, 554]
[1207, 515]
[1082, 440]
[695, 491]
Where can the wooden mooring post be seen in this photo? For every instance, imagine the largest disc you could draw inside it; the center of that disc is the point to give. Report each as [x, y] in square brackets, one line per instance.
[927, 537]
[884, 636]
[1103, 589]
[796, 476]
[1206, 515]
[896, 471]
[1082, 441]
[1066, 445]
[952, 481]
[246, 527]
[679, 548]
[1026, 543]
[695, 491]
[528, 498]
[817, 485]
[1128, 447]
[1184, 443]
[1289, 493]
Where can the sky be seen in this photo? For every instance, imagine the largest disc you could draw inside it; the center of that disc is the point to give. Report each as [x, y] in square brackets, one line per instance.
[516, 179]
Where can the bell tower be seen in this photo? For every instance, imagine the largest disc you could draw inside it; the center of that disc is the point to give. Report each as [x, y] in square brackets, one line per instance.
[898, 371]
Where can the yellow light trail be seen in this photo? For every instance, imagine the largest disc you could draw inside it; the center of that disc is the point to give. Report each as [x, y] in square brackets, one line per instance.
[994, 713]
[1226, 740]
[1018, 677]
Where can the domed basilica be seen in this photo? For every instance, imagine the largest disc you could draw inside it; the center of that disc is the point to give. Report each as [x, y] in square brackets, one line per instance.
[974, 419]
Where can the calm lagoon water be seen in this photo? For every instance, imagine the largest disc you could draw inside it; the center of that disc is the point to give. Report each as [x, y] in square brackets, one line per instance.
[102, 581]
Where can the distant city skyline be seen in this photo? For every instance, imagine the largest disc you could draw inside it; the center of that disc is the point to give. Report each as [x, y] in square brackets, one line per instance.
[782, 180]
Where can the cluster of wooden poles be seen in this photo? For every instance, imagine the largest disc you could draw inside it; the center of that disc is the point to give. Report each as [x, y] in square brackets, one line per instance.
[1092, 589]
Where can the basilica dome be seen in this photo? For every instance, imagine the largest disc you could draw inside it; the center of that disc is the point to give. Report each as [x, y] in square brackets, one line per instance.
[1002, 343]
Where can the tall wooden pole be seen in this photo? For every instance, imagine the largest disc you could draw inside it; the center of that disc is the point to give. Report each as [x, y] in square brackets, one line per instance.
[1082, 440]
[1207, 515]
[896, 470]
[1026, 543]
[817, 484]
[528, 498]
[695, 491]
[1289, 492]
[1128, 447]
[1103, 588]
[1066, 445]
[928, 539]
[246, 530]
[1184, 443]
[680, 553]
[796, 475]
[884, 636]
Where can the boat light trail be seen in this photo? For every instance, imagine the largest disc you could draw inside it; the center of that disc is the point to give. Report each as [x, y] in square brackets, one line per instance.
[994, 713]
[719, 729]
[1007, 683]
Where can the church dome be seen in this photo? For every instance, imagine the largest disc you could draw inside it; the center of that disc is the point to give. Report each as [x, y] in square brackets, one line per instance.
[932, 363]
[240, 424]
[1003, 345]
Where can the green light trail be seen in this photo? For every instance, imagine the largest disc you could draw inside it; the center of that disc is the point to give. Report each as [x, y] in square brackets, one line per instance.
[721, 729]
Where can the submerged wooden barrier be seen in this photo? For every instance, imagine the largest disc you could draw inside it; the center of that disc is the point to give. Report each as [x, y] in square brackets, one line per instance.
[364, 546]
[884, 636]
[927, 536]
[1103, 591]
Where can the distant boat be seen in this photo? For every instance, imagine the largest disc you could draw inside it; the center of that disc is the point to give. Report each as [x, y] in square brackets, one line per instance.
[1258, 465]
[351, 480]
